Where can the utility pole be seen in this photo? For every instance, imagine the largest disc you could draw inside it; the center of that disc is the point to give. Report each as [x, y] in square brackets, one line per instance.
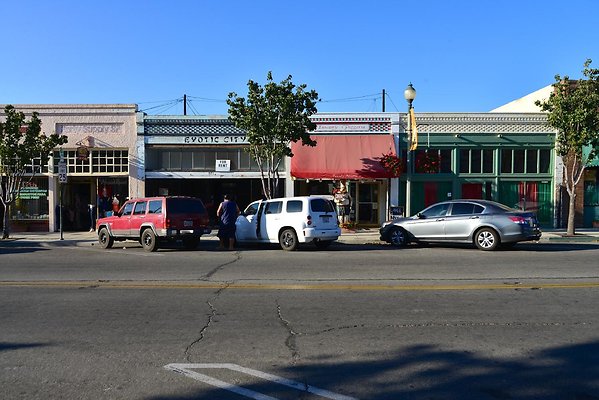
[383, 100]
[184, 104]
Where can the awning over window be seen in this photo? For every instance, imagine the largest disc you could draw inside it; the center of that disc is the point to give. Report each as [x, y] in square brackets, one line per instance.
[342, 157]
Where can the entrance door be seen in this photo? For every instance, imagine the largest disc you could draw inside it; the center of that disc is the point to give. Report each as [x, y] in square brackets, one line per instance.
[472, 190]
[367, 203]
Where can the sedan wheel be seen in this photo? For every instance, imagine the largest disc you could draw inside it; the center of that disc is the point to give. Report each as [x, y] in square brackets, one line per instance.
[398, 237]
[486, 239]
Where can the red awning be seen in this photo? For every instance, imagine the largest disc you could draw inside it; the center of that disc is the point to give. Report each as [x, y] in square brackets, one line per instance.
[342, 157]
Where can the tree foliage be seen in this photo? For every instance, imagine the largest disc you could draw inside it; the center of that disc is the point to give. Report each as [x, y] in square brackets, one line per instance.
[273, 117]
[573, 110]
[21, 144]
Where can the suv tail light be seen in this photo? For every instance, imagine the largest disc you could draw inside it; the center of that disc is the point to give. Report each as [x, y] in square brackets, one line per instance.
[309, 221]
[519, 220]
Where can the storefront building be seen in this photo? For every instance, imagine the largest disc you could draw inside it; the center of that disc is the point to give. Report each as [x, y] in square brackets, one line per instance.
[347, 153]
[200, 156]
[503, 157]
[101, 164]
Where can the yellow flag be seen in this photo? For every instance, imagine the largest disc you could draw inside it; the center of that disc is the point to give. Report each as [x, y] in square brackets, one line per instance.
[414, 136]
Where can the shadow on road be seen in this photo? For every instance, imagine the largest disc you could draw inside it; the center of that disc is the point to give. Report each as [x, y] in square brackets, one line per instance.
[429, 372]
[17, 247]
[6, 346]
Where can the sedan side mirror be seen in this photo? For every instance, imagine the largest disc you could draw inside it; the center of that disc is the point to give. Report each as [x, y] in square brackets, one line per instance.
[421, 216]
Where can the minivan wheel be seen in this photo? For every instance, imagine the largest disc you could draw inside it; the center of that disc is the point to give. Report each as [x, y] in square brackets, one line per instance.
[106, 241]
[398, 237]
[288, 240]
[486, 239]
[148, 240]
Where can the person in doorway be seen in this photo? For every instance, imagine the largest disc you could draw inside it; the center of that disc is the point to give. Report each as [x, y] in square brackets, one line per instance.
[92, 217]
[228, 211]
[342, 200]
[115, 203]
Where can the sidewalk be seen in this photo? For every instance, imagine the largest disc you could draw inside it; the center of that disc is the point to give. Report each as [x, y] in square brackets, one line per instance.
[359, 236]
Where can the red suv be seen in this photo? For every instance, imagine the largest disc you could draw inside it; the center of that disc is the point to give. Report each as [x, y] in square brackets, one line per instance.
[153, 220]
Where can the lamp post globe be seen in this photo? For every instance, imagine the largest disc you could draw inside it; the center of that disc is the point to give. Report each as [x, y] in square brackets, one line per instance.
[409, 94]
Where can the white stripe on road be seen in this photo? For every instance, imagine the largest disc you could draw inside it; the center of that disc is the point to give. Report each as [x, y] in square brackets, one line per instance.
[185, 370]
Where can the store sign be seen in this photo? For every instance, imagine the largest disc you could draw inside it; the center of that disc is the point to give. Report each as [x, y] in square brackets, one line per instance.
[342, 128]
[198, 140]
[32, 192]
[223, 166]
[82, 153]
[216, 140]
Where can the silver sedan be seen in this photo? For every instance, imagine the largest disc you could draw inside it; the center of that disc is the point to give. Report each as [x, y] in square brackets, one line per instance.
[485, 223]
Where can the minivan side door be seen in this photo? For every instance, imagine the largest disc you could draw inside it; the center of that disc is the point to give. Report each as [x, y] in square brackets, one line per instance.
[271, 221]
[247, 223]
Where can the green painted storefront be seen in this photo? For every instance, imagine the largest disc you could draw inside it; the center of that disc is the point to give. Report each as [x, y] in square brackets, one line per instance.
[507, 158]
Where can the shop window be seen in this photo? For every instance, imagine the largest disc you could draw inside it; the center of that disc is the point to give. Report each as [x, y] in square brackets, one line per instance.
[544, 161]
[32, 202]
[432, 161]
[186, 160]
[532, 161]
[476, 161]
[99, 161]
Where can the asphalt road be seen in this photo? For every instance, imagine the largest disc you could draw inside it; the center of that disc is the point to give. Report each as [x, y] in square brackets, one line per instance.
[354, 321]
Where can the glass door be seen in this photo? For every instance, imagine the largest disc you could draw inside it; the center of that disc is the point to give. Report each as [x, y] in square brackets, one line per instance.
[367, 203]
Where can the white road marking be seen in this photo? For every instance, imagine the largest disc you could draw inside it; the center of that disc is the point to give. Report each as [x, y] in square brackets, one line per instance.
[185, 369]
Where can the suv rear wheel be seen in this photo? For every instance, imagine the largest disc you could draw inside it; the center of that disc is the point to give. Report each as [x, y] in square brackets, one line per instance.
[288, 240]
[106, 241]
[148, 240]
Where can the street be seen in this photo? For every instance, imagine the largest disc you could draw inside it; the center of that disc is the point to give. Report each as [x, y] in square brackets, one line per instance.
[363, 321]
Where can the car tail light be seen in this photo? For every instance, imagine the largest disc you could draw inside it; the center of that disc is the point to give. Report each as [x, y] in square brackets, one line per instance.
[168, 223]
[309, 221]
[519, 220]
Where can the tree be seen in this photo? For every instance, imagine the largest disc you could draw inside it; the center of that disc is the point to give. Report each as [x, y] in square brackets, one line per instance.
[573, 110]
[24, 151]
[273, 116]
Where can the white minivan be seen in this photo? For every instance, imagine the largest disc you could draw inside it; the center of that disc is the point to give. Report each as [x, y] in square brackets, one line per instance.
[289, 221]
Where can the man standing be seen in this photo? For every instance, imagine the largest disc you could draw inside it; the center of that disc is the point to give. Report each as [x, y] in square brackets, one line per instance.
[228, 213]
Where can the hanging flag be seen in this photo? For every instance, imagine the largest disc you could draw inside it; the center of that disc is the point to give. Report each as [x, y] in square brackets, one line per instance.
[414, 129]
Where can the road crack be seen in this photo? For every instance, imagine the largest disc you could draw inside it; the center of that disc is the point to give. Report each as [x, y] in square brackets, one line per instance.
[208, 275]
[211, 315]
[290, 341]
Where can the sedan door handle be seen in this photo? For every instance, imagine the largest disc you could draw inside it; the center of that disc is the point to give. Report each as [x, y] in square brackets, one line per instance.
[440, 219]
[474, 217]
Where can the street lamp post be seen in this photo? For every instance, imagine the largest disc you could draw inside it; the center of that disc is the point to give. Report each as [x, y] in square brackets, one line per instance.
[409, 94]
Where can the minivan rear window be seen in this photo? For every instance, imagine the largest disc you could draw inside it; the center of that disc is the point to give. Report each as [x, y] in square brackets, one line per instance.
[185, 206]
[321, 205]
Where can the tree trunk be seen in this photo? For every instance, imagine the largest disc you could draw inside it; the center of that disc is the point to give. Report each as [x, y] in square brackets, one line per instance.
[571, 213]
[5, 229]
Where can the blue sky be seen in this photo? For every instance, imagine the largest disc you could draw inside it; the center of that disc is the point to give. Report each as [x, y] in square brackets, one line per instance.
[461, 56]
